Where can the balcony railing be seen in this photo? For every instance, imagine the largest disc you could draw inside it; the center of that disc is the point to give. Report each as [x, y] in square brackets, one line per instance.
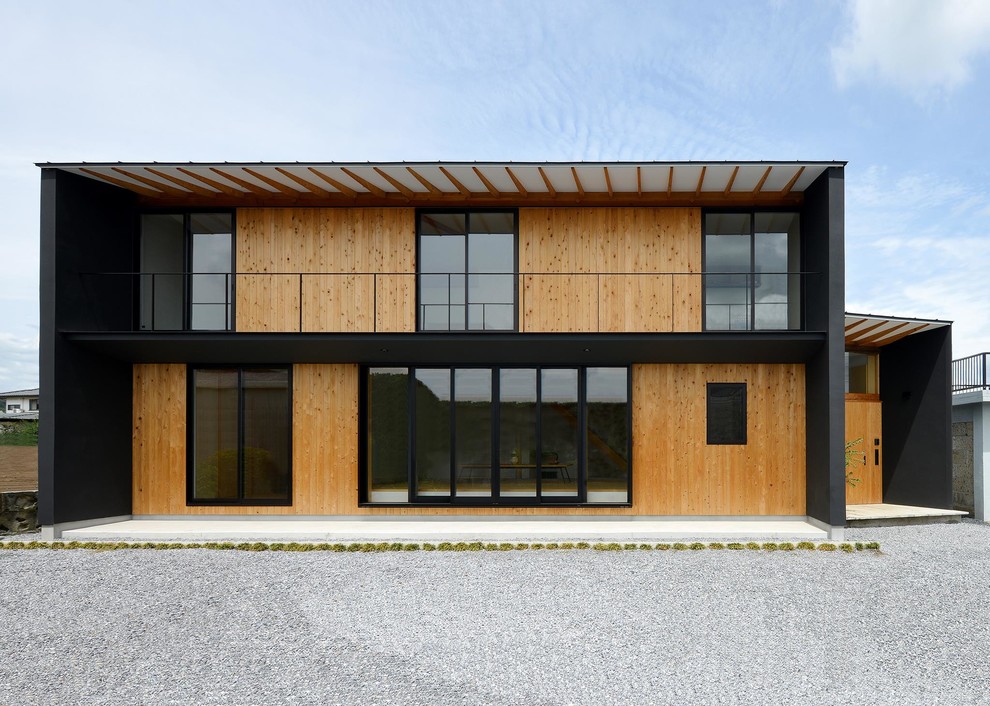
[971, 373]
[549, 302]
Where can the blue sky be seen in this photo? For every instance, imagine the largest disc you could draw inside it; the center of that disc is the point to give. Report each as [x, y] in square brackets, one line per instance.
[899, 88]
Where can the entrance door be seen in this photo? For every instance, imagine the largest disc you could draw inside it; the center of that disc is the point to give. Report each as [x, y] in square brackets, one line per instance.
[864, 421]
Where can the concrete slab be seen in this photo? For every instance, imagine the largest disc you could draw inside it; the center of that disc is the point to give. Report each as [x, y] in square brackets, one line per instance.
[884, 514]
[433, 530]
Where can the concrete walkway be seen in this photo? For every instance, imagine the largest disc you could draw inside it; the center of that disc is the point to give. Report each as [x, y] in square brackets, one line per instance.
[883, 514]
[345, 530]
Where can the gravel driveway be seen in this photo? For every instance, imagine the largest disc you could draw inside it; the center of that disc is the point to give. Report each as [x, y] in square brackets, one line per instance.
[909, 626]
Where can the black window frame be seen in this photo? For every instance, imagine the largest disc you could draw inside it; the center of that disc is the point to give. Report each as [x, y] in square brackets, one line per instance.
[191, 437]
[581, 471]
[466, 212]
[752, 213]
[187, 256]
[744, 411]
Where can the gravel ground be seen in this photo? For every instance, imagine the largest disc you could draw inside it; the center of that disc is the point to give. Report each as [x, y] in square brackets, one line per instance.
[908, 626]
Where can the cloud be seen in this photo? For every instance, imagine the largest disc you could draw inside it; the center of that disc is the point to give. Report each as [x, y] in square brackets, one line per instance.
[922, 47]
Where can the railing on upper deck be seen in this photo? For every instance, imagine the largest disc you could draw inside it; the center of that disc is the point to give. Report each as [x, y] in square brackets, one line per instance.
[971, 373]
[582, 302]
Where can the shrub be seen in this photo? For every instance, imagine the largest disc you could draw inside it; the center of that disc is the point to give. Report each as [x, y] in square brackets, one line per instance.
[770, 546]
[735, 545]
[826, 547]
[752, 545]
[806, 545]
[785, 546]
[663, 547]
[680, 546]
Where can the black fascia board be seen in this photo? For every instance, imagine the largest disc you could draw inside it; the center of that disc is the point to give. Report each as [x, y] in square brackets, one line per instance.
[484, 349]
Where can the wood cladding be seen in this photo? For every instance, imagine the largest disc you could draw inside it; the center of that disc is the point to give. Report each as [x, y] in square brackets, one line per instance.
[342, 249]
[580, 243]
[675, 472]
[864, 420]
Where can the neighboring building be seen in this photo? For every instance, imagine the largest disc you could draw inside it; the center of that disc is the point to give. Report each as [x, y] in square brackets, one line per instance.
[971, 435]
[19, 404]
[647, 339]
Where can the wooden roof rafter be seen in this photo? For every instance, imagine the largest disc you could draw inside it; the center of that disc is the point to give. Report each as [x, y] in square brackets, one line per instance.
[577, 181]
[339, 186]
[223, 188]
[732, 180]
[608, 182]
[701, 181]
[403, 189]
[284, 188]
[793, 181]
[122, 183]
[546, 180]
[195, 188]
[376, 190]
[430, 186]
[518, 184]
[670, 181]
[243, 183]
[453, 180]
[488, 185]
[151, 182]
[763, 180]
[311, 188]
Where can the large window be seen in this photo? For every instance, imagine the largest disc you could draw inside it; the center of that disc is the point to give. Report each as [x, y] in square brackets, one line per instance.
[186, 261]
[497, 435]
[466, 268]
[752, 271]
[240, 436]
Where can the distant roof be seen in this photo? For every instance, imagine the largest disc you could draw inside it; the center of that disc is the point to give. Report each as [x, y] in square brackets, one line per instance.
[873, 331]
[434, 183]
[19, 416]
[34, 392]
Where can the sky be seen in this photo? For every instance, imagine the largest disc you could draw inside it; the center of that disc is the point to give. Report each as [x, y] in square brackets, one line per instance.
[898, 88]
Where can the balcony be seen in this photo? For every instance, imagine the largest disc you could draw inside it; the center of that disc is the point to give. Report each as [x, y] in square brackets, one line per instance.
[971, 373]
[356, 302]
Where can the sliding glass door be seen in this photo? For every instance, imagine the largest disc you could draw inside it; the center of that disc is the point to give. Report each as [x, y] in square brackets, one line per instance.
[497, 435]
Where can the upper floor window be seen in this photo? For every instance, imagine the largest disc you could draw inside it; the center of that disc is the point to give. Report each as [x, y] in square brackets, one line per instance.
[186, 265]
[752, 271]
[466, 271]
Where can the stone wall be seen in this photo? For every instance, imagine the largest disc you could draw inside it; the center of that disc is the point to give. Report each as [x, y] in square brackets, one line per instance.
[962, 466]
[18, 512]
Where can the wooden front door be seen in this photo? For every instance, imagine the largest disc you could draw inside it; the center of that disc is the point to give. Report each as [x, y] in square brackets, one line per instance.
[864, 421]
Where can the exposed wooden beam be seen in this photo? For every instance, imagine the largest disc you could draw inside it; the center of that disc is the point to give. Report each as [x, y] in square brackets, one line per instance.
[457, 185]
[376, 190]
[224, 188]
[343, 188]
[763, 180]
[701, 180]
[195, 188]
[123, 184]
[854, 324]
[790, 184]
[516, 182]
[639, 181]
[854, 337]
[670, 180]
[151, 182]
[403, 189]
[608, 181]
[284, 188]
[732, 180]
[899, 336]
[488, 185]
[546, 180]
[253, 188]
[311, 188]
[873, 338]
[425, 182]
[577, 182]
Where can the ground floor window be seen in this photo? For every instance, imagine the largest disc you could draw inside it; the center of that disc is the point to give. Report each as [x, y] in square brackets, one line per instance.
[497, 435]
[240, 431]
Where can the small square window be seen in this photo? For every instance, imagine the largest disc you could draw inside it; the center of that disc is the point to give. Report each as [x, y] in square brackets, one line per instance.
[727, 413]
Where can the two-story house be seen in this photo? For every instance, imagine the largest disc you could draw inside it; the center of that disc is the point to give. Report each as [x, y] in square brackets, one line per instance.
[632, 339]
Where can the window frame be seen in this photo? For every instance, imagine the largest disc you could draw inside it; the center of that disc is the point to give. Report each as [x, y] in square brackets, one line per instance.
[752, 213]
[192, 501]
[581, 471]
[187, 256]
[733, 441]
[466, 212]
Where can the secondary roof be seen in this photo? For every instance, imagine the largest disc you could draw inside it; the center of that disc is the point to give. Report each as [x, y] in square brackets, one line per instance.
[872, 331]
[441, 183]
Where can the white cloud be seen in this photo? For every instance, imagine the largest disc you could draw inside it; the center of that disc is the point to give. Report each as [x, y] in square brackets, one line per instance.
[920, 46]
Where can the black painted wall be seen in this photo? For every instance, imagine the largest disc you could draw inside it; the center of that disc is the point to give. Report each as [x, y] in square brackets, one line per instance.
[915, 388]
[84, 454]
[823, 252]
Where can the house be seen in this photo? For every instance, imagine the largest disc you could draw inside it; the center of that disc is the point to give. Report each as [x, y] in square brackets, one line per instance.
[435, 339]
[971, 434]
[19, 404]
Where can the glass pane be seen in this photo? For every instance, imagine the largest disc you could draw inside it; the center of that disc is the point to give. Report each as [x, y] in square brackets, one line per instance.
[388, 435]
[473, 431]
[517, 433]
[215, 435]
[493, 223]
[433, 432]
[442, 224]
[162, 250]
[727, 249]
[559, 424]
[211, 259]
[772, 286]
[441, 253]
[491, 253]
[267, 430]
[726, 413]
[608, 435]
[861, 373]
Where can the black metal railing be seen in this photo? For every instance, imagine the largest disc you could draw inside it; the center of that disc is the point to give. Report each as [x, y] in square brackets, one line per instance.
[445, 301]
[971, 373]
